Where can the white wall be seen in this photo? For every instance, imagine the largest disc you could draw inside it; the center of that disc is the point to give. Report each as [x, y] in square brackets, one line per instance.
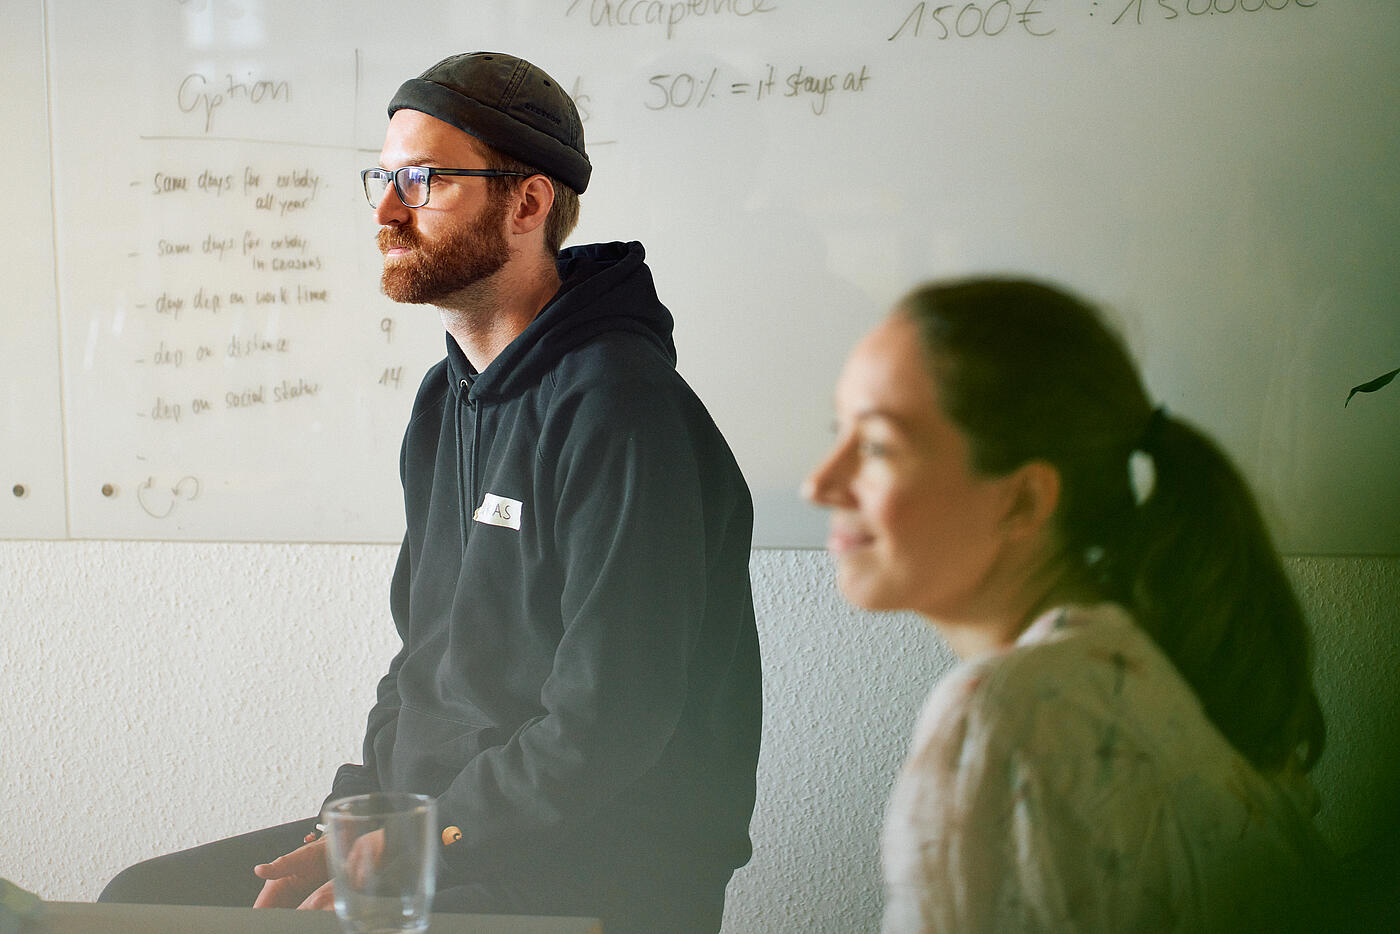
[159, 695]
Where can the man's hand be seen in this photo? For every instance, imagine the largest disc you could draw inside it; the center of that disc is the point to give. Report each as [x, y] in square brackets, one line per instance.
[301, 879]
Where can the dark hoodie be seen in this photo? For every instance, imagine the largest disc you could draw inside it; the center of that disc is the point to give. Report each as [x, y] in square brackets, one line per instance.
[579, 678]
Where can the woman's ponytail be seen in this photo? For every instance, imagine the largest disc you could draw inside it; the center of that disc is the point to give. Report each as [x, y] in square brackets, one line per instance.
[1200, 574]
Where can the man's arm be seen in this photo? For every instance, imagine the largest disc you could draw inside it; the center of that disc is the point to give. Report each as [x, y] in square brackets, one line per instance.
[630, 531]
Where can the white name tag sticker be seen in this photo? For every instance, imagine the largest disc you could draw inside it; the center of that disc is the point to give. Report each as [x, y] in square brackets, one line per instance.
[498, 510]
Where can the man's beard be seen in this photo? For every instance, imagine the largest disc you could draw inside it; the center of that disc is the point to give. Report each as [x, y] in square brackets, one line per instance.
[435, 270]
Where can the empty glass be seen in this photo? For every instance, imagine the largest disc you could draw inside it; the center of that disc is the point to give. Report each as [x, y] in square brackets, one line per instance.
[383, 860]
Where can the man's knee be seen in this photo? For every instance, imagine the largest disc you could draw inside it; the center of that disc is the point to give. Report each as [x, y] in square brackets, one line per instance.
[218, 873]
[138, 884]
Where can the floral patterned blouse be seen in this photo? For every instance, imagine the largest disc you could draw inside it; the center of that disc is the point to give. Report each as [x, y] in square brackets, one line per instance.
[1073, 783]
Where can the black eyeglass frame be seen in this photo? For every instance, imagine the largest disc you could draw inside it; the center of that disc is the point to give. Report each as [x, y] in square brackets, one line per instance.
[393, 177]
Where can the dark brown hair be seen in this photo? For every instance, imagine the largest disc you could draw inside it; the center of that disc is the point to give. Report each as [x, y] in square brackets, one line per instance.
[563, 215]
[1030, 372]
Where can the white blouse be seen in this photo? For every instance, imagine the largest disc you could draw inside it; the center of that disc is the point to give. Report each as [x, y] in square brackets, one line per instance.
[1073, 783]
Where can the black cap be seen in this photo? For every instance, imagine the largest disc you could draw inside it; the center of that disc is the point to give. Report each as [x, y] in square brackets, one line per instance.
[507, 103]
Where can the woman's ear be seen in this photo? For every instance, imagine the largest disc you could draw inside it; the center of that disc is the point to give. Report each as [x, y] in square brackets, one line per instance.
[1034, 490]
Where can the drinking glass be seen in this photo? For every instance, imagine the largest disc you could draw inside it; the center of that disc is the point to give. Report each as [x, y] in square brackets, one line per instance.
[383, 860]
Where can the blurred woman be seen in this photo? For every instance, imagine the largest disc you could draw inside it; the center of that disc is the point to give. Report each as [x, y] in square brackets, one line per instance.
[1125, 741]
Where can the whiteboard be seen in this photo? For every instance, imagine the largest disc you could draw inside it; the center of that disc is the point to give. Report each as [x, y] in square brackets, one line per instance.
[1224, 174]
[31, 419]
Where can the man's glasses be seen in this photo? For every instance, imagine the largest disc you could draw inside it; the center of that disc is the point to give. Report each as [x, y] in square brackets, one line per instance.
[411, 182]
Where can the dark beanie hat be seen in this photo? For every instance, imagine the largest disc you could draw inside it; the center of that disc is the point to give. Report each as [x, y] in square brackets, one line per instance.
[507, 103]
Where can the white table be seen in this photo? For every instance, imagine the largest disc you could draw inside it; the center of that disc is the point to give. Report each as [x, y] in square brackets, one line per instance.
[84, 918]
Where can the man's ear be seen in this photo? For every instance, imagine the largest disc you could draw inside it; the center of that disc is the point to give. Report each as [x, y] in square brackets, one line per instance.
[531, 205]
[1034, 495]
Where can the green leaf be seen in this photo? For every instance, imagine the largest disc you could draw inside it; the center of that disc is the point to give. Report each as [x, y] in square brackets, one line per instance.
[1371, 386]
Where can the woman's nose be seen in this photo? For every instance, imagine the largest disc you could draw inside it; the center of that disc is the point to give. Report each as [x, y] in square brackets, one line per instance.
[827, 484]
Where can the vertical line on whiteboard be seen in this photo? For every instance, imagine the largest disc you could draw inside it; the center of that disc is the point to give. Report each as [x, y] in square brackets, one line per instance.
[57, 285]
[355, 110]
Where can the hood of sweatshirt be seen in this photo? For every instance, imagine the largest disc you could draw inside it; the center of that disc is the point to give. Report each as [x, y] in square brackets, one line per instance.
[605, 287]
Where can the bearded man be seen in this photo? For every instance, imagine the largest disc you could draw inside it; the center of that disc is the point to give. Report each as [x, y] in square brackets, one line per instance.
[578, 684]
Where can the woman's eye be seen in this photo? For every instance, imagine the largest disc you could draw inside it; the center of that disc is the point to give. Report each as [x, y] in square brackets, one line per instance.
[870, 448]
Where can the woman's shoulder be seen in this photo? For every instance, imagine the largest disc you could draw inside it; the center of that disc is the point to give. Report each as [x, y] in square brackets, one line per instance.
[1081, 684]
[1071, 655]
[1085, 745]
